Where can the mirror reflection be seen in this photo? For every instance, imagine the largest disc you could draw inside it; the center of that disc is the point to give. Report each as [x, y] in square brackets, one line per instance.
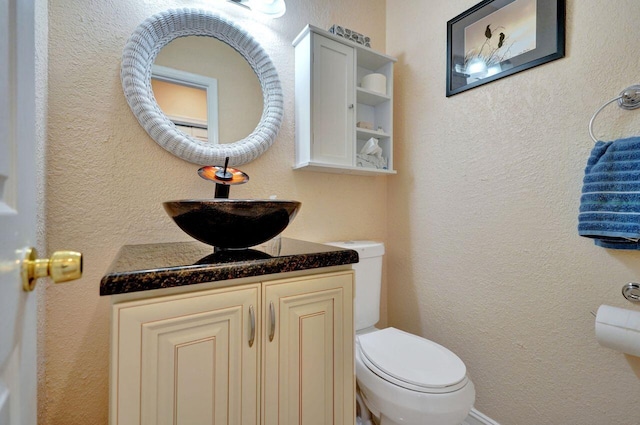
[207, 89]
[188, 100]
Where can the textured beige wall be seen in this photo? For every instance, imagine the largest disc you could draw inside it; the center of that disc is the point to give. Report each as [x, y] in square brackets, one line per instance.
[106, 178]
[41, 36]
[484, 255]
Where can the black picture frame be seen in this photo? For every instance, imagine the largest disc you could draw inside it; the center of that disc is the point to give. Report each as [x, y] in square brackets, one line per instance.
[498, 38]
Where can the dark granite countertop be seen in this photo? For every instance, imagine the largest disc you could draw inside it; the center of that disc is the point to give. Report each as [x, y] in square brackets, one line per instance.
[155, 266]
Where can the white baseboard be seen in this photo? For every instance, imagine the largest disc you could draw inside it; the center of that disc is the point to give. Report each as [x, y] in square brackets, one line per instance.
[477, 418]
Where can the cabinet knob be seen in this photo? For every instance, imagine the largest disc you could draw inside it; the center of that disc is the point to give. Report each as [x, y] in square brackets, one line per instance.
[351, 106]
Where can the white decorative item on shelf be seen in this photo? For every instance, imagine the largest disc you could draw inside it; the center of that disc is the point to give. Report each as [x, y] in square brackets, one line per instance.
[356, 37]
[372, 148]
[375, 82]
[370, 155]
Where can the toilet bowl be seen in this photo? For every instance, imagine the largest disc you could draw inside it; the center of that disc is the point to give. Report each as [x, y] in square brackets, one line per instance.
[403, 379]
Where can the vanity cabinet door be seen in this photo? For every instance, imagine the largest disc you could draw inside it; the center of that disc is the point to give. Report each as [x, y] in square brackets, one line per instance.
[186, 359]
[308, 361]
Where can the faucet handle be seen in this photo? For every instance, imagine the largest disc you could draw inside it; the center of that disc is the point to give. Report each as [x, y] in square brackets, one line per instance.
[223, 177]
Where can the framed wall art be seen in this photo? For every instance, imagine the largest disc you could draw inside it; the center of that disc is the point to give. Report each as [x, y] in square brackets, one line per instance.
[497, 38]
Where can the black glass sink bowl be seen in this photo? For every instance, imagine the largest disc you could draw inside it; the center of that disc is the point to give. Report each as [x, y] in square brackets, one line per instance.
[232, 223]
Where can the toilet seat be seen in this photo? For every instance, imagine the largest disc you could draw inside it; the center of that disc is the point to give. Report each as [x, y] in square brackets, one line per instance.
[412, 362]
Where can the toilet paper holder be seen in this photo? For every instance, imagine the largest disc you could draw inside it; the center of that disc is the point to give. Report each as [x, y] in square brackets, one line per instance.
[631, 291]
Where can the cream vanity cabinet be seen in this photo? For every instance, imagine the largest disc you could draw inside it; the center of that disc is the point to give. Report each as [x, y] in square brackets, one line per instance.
[330, 102]
[272, 352]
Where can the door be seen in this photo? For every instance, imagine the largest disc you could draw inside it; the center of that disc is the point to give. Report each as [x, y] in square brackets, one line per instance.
[18, 308]
[308, 366]
[19, 166]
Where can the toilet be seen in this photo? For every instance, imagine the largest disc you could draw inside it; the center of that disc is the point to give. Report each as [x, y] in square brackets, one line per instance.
[403, 379]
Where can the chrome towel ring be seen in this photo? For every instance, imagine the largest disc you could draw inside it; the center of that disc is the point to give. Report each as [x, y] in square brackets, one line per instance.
[628, 99]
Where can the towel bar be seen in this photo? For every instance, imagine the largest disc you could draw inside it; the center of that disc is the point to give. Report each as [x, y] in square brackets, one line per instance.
[628, 99]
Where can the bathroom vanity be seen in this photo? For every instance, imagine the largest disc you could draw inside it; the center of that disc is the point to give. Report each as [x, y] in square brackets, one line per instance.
[238, 337]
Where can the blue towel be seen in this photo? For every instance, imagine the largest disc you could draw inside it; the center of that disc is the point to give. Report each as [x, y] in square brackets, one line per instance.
[610, 202]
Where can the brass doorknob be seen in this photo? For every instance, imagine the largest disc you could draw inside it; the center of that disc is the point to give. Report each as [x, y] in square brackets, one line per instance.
[63, 266]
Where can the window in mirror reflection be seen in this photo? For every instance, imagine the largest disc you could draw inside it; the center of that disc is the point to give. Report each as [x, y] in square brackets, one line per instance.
[239, 95]
[185, 106]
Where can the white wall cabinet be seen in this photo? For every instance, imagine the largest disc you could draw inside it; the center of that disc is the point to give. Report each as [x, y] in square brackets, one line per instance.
[273, 353]
[330, 102]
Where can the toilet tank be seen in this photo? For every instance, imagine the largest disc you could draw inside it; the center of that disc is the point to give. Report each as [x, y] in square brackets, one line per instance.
[368, 280]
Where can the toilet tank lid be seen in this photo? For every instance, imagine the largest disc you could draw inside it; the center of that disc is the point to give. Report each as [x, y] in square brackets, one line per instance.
[365, 249]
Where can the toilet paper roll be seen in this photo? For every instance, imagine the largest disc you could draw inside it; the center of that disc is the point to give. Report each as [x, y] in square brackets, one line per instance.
[375, 82]
[618, 329]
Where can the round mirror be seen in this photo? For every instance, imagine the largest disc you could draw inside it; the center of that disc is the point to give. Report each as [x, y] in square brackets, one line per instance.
[139, 56]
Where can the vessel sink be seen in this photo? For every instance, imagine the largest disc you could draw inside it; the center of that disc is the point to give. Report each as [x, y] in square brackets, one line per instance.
[232, 223]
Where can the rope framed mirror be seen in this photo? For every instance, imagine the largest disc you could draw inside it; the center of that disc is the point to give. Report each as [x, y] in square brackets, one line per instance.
[138, 57]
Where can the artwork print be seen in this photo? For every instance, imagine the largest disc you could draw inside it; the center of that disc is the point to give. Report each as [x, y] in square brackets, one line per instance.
[491, 42]
[498, 38]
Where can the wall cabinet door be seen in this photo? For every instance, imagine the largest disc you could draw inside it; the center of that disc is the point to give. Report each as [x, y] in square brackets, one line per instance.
[333, 102]
[308, 372]
[186, 359]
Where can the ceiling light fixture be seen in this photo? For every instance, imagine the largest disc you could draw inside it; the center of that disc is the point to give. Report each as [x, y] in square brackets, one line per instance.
[270, 8]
